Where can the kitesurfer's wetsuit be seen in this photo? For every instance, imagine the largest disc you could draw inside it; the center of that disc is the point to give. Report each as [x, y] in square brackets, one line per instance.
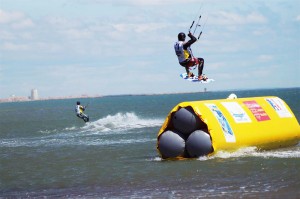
[79, 112]
[185, 56]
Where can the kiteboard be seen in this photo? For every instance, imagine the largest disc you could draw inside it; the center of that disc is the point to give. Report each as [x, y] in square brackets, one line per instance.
[86, 119]
[195, 79]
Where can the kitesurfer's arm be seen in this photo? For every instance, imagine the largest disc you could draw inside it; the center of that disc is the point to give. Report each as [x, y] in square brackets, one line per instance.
[190, 42]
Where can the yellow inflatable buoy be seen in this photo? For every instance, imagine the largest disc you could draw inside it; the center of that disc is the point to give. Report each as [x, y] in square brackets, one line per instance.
[198, 128]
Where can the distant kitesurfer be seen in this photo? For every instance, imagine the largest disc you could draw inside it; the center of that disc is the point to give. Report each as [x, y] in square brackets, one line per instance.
[185, 55]
[79, 112]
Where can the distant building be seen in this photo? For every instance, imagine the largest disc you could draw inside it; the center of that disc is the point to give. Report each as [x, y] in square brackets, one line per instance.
[14, 98]
[34, 94]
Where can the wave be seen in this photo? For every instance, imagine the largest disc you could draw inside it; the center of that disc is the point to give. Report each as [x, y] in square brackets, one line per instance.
[290, 152]
[92, 133]
[117, 122]
[11, 143]
[120, 121]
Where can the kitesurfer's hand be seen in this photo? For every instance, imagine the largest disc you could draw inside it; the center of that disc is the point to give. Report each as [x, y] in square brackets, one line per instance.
[190, 34]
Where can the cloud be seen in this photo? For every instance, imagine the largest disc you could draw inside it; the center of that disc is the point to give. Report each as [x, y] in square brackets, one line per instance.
[16, 20]
[255, 18]
[230, 18]
[262, 31]
[265, 58]
[78, 34]
[60, 22]
[141, 3]
[158, 2]
[217, 65]
[22, 24]
[6, 35]
[9, 46]
[298, 18]
[139, 28]
[8, 17]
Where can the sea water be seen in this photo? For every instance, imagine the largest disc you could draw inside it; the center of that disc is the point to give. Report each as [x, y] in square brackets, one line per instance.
[46, 151]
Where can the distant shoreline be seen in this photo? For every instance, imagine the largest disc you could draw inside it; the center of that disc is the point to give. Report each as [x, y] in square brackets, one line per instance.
[26, 99]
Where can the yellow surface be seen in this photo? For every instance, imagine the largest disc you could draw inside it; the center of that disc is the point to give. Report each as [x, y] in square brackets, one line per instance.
[253, 121]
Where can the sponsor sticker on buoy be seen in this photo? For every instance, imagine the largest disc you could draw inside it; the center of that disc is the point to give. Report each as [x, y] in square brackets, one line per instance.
[228, 132]
[237, 112]
[258, 112]
[279, 107]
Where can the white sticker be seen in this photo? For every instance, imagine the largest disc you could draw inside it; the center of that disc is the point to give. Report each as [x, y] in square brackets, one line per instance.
[279, 107]
[228, 132]
[237, 112]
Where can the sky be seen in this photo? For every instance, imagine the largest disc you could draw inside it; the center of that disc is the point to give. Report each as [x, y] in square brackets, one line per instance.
[111, 47]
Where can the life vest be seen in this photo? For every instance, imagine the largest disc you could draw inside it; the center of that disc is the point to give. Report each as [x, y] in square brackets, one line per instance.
[79, 109]
[182, 54]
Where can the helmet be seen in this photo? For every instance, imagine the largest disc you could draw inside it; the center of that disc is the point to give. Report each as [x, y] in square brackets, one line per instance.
[78, 102]
[181, 36]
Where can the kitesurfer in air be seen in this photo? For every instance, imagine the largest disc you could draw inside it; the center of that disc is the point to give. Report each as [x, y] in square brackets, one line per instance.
[185, 55]
[79, 112]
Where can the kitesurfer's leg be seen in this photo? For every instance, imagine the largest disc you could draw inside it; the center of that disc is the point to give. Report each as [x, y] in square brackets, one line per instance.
[200, 66]
[187, 69]
[188, 72]
[200, 69]
[85, 117]
[81, 116]
[191, 62]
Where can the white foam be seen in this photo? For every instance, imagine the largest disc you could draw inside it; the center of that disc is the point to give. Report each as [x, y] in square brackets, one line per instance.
[242, 152]
[112, 124]
[100, 142]
[278, 154]
[57, 130]
[155, 159]
[121, 121]
[291, 152]
[68, 142]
